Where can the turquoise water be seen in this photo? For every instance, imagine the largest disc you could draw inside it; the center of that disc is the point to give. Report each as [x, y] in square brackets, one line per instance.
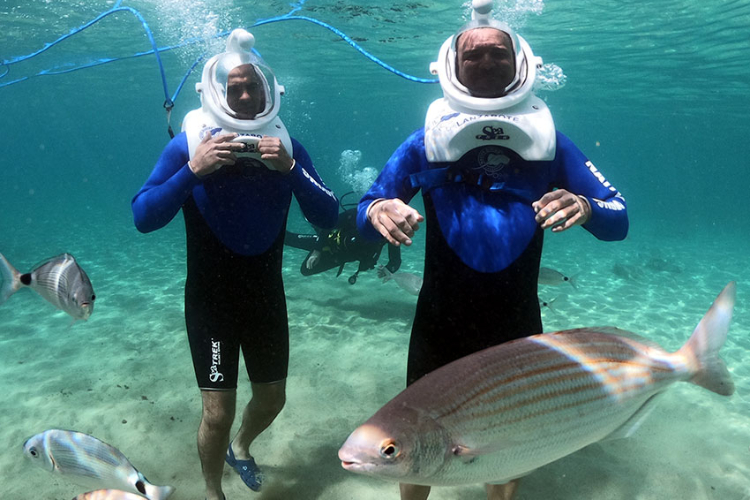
[656, 94]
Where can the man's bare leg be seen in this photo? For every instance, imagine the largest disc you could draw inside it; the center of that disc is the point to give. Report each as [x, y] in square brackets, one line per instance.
[414, 491]
[505, 491]
[260, 412]
[213, 437]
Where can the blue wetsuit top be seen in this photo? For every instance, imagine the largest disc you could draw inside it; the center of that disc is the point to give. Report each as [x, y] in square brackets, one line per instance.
[490, 228]
[245, 206]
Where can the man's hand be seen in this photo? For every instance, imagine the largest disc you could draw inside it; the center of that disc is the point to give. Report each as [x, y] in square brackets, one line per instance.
[395, 220]
[213, 153]
[561, 210]
[272, 150]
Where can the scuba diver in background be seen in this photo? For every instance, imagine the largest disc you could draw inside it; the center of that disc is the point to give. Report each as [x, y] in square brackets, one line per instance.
[494, 174]
[233, 172]
[334, 248]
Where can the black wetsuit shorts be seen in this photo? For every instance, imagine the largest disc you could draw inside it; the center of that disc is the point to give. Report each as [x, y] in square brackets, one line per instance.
[233, 302]
[461, 311]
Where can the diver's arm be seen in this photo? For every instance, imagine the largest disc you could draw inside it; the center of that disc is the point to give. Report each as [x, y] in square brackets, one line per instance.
[383, 211]
[608, 219]
[318, 203]
[166, 189]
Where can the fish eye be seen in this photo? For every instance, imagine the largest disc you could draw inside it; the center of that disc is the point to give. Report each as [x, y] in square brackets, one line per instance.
[93, 298]
[140, 487]
[389, 450]
[33, 452]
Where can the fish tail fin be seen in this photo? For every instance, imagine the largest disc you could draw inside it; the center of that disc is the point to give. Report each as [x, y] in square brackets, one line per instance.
[551, 305]
[548, 304]
[11, 279]
[573, 282]
[702, 349]
[154, 492]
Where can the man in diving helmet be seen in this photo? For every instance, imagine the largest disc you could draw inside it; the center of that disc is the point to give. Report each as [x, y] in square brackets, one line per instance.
[233, 171]
[494, 175]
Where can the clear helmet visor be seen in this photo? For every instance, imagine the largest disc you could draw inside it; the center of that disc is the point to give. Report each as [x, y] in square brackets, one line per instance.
[241, 89]
[519, 87]
[519, 58]
[237, 86]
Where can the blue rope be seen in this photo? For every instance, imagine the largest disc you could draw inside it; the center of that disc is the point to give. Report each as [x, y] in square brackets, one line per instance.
[101, 16]
[184, 78]
[338, 32]
[169, 102]
[351, 42]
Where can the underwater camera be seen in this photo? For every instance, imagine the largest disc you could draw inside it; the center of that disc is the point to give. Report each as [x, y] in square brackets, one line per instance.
[250, 144]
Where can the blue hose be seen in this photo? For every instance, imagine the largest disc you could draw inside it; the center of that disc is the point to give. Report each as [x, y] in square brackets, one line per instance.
[350, 42]
[101, 16]
[169, 101]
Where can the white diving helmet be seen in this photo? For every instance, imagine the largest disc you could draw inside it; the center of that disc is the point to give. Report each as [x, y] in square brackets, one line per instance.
[458, 95]
[213, 85]
[216, 115]
[460, 122]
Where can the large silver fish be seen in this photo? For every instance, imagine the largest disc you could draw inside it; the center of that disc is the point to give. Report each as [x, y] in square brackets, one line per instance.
[89, 462]
[501, 413]
[60, 280]
[108, 495]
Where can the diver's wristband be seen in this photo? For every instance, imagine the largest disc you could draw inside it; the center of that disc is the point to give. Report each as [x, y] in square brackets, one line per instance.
[367, 213]
[585, 208]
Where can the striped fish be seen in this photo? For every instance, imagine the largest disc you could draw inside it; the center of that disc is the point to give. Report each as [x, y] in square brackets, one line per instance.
[501, 413]
[87, 461]
[60, 280]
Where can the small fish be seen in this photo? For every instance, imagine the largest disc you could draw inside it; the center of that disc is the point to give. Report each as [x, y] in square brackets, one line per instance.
[662, 265]
[87, 461]
[503, 412]
[407, 281]
[628, 272]
[59, 280]
[548, 304]
[108, 495]
[548, 276]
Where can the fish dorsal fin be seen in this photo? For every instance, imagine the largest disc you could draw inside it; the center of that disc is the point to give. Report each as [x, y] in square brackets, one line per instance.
[635, 421]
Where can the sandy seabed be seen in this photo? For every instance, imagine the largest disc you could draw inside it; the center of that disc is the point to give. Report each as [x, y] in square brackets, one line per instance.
[126, 377]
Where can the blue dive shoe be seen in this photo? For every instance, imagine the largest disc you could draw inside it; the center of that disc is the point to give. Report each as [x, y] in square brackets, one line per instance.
[247, 469]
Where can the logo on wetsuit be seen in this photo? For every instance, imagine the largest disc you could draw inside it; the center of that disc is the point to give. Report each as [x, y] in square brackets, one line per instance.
[216, 375]
[492, 160]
